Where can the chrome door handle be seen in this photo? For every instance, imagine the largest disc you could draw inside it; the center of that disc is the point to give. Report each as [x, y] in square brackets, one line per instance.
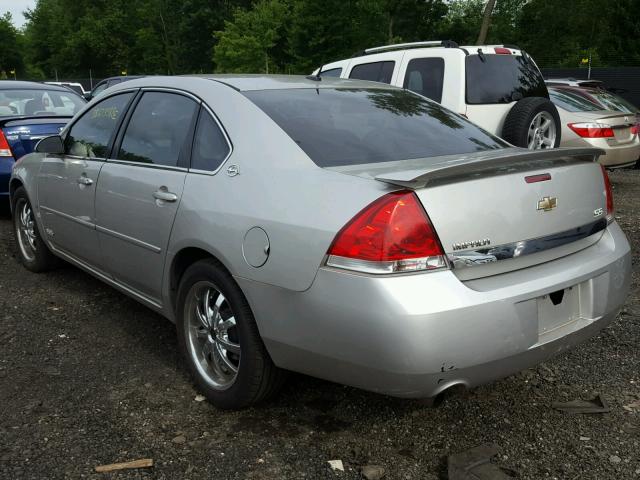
[84, 181]
[165, 196]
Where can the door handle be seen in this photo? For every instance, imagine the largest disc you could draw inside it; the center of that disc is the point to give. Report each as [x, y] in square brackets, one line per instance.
[84, 181]
[165, 196]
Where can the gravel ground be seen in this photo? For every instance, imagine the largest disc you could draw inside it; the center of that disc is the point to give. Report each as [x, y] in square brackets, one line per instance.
[89, 377]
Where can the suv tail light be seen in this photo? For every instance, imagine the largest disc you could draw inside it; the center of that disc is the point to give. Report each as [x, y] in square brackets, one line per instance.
[393, 234]
[608, 192]
[592, 130]
[5, 149]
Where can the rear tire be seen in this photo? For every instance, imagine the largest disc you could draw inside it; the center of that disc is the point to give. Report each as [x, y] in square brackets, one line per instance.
[220, 341]
[525, 124]
[32, 252]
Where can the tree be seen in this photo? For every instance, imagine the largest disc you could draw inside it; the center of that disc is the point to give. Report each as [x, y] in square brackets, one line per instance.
[10, 56]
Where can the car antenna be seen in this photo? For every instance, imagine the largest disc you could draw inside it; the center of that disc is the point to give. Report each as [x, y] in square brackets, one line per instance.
[316, 77]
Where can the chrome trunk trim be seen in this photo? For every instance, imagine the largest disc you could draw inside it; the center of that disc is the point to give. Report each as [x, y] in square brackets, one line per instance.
[481, 256]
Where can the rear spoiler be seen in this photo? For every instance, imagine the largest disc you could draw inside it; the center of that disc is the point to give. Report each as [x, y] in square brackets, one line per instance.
[490, 161]
[19, 118]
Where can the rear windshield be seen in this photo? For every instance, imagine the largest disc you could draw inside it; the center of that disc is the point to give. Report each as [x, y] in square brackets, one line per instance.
[502, 79]
[355, 126]
[571, 102]
[39, 102]
[613, 102]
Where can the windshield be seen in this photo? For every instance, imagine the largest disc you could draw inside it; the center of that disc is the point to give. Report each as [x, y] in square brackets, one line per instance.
[572, 102]
[502, 79]
[613, 102]
[356, 126]
[39, 102]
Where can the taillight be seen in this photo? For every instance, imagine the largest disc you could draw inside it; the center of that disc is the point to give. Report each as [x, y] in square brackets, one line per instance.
[592, 130]
[608, 192]
[502, 51]
[635, 129]
[393, 234]
[5, 150]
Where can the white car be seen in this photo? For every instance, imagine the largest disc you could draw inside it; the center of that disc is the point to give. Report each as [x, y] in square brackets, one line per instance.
[75, 86]
[498, 87]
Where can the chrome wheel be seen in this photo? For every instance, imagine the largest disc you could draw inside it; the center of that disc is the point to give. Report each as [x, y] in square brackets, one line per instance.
[212, 335]
[25, 229]
[542, 132]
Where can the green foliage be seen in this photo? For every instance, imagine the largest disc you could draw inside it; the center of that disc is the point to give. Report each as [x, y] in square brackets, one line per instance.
[71, 37]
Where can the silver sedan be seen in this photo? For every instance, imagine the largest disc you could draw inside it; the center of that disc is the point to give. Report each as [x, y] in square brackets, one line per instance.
[344, 229]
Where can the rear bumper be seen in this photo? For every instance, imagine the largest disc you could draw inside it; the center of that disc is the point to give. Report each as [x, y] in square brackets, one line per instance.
[6, 164]
[416, 335]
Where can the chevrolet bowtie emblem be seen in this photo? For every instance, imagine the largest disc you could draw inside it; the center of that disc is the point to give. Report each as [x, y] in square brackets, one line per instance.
[547, 203]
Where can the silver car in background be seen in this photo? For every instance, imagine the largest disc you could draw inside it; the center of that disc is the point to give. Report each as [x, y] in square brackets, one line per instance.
[586, 124]
[344, 229]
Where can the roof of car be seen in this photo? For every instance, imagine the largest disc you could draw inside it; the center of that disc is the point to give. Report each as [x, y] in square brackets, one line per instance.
[250, 82]
[21, 85]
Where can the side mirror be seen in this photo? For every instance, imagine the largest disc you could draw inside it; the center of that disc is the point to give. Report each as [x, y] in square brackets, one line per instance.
[88, 96]
[51, 144]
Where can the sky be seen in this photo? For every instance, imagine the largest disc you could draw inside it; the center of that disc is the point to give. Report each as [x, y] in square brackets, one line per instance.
[16, 7]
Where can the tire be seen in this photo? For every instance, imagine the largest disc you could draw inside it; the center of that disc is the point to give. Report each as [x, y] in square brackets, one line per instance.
[32, 252]
[202, 336]
[517, 125]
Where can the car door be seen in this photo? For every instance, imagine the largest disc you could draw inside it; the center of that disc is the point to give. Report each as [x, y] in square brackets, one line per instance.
[140, 189]
[67, 183]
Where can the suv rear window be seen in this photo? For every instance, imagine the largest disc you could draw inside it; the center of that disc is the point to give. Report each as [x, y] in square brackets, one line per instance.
[502, 79]
[375, 71]
[340, 126]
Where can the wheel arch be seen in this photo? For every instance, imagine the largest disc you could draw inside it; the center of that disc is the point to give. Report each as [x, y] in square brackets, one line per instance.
[181, 261]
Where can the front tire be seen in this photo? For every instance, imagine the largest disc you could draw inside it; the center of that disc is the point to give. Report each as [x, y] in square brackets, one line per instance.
[33, 252]
[220, 341]
[533, 123]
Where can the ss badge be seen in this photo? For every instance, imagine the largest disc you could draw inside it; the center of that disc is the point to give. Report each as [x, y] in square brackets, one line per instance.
[598, 211]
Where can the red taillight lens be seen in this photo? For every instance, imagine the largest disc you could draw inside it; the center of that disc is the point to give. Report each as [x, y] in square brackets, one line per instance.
[502, 51]
[608, 192]
[635, 129]
[5, 150]
[592, 130]
[392, 234]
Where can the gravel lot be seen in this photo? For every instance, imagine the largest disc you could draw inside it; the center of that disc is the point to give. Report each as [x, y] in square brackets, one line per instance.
[90, 377]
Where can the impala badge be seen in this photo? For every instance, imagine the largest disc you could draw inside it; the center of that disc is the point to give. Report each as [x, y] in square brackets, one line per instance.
[547, 203]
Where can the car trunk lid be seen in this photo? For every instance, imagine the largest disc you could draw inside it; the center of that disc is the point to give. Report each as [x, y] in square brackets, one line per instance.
[521, 206]
[22, 133]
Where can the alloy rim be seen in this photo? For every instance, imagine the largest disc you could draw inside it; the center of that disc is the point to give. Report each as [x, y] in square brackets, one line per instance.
[212, 335]
[26, 229]
[542, 132]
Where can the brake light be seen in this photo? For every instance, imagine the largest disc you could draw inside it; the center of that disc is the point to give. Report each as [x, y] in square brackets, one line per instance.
[608, 192]
[502, 51]
[635, 129]
[592, 130]
[392, 234]
[5, 149]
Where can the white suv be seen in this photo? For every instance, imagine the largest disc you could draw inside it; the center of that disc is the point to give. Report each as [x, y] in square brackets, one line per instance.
[498, 87]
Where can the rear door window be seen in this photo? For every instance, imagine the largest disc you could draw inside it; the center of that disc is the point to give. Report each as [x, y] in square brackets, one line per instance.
[158, 129]
[91, 135]
[425, 76]
[210, 146]
[352, 126]
[375, 71]
[493, 78]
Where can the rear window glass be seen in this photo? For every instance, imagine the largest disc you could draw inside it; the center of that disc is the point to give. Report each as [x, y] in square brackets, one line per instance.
[356, 126]
[39, 102]
[614, 102]
[375, 72]
[332, 72]
[425, 76]
[502, 79]
[572, 102]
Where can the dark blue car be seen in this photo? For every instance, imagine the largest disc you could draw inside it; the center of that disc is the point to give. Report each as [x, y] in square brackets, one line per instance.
[30, 111]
